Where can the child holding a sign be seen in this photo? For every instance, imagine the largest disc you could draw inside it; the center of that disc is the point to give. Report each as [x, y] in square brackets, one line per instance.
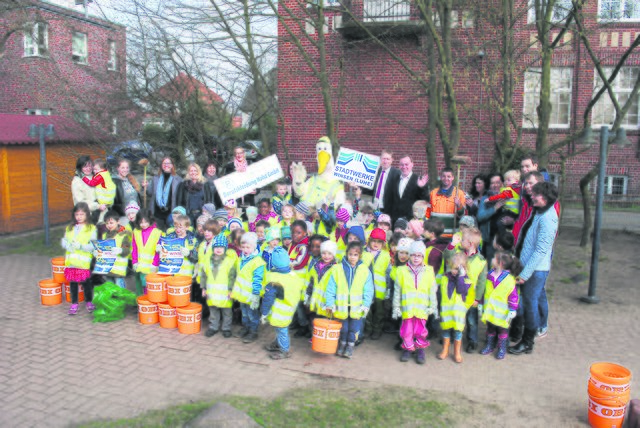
[113, 250]
[181, 261]
[144, 257]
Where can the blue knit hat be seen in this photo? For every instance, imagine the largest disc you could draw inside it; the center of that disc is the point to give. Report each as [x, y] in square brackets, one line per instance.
[285, 232]
[232, 221]
[277, 207]
[219, 241]
[179, 210]
[280, 260]
[221, 214]
[358, 231]
[272, 233]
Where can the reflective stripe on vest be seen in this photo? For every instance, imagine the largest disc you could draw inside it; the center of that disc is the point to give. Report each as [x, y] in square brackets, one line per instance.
[379, 270]
[496, 306]
[349, 300]
[282, 311]
[218, 286]
[318, 300]
[415, 301]
[243, 287]
[120, 265]
[77, 258]
[453, 311]
[146, 252]
[475, 265]
[512, 204]
[106, 195]
[186, 268]
[441, 270]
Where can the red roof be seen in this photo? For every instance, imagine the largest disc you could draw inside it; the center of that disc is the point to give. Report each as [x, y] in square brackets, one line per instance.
[14, 129]
[183, 86]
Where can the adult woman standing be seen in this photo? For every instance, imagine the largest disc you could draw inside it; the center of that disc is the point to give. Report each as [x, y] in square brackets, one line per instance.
[240, 164]
[80, 191]
[194, 192]
[163, 193]
[478, 189]
[211, 174]
[127, 187]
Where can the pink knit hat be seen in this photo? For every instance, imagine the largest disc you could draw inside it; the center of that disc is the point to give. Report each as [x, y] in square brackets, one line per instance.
[343, 215]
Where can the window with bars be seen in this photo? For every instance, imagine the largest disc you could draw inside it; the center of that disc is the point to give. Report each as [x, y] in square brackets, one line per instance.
[36, 41]
[603, 111]
[561, 9]
[79, 48]
[619, 10]
[561, 84]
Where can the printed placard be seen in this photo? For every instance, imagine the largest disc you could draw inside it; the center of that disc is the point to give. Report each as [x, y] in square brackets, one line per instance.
[171, 257]
[106, 257]
[257, 175]
[356, 167]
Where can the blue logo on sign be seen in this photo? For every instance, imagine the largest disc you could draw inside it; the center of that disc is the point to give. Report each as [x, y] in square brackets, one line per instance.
[368, 164]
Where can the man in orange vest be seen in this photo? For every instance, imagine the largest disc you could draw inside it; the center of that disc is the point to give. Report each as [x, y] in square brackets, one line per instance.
[447, 201]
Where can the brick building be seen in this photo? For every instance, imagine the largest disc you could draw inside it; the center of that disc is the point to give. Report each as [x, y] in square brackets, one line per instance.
[377, 104]
[59, 61]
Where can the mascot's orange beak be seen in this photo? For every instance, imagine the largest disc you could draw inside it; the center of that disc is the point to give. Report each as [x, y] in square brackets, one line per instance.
[323, 160]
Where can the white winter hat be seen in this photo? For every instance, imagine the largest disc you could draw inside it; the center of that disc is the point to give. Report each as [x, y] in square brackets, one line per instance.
[329, 246]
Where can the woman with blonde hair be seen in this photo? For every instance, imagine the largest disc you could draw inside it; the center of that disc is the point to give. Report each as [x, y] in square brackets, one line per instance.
[163, 192]
[194, 192]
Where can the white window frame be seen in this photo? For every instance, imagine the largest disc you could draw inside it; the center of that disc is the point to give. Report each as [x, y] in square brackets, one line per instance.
[622, 6]
[608, 185]
[605, 101]
[38, 111]
[560, 11]
[530, 120]
[33, 46]
[80, 56]
[113, 56]
[554, 177]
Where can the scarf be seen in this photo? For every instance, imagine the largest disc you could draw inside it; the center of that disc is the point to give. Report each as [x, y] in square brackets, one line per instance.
[193, 187]
[240, 166]
[322, 267]
[445, 192]
[162, 191]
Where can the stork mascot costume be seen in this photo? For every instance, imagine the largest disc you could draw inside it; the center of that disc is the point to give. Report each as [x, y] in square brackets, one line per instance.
[322, 188]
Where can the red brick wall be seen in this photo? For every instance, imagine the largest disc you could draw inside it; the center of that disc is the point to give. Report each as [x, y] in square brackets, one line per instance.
[377, 105]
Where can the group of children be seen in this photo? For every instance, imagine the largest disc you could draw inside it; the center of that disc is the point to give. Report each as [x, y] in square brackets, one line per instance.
[285, 263]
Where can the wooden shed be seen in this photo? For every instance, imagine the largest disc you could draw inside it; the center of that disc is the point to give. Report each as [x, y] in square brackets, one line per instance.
[20, 182]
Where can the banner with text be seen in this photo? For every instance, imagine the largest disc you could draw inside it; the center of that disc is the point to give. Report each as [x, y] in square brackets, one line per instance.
[171, 257]
[106, 257]
[257, 175]
[356, 167]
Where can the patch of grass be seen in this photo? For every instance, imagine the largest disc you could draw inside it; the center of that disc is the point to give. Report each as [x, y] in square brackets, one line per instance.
[580, 264]
[317, 407]
[33, 243]
[566, 280]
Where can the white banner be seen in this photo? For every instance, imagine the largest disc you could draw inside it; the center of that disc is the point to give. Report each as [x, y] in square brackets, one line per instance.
[356, 167]
[257, 175]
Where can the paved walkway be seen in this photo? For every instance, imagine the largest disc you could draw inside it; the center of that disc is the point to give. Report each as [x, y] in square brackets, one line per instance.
[57, 370]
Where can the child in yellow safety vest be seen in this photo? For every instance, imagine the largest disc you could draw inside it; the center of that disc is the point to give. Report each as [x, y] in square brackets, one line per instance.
[379, 261]
[400, 258]
[144, 257]
[122, 248]
[105, 187]
[77, 260]
[348, 297]
[283, 293]
[500, 302]
[218, 273]
[455, 287]
[414, 300]
[318, 278]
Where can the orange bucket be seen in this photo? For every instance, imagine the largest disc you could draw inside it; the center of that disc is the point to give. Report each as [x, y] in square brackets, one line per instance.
[57, 269]
[67, 292]
[168, 317]
[50, 292]
[156, 288]
[609, 392]
[179, 290]
[189, 318]
[325, 335]
[147, 311]
[606, 413]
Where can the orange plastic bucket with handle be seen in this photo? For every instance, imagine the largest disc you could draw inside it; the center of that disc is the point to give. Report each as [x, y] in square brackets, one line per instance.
[326, 333]
[189, 318]
[605, 413]
[50, 292]
[57, 269]
[67, 292]
[147, 311]
[179, 290]
[168, 316]
[609, 392]
[156, 288]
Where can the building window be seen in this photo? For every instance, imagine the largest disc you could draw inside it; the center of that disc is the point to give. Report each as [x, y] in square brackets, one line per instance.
[113, 59]
[114, 126]
[614, 185]
[79, 48]
[603, 112]
[561, 83]
[38, 111]
[81, 117]
[561, 10]
[36, 42]
[619, 10]
[554, 177]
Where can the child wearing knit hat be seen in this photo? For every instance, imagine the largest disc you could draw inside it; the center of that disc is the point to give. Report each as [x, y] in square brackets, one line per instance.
[131, 211]
[319, 277]
[272, 241]
[379, 260]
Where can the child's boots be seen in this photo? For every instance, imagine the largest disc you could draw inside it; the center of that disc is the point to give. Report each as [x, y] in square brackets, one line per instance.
[348, 352]
[502, 348]
[341, 347]
[457, 351]
[420, 356]
[406, 356]
[491, 344]
[445, 348]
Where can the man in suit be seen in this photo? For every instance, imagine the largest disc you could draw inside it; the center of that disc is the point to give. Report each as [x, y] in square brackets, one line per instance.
[403, 190]
[386, 174]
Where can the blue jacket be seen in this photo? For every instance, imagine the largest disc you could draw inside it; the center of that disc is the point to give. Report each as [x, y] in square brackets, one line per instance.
[258, 274]
[349, 272]
[538, 242]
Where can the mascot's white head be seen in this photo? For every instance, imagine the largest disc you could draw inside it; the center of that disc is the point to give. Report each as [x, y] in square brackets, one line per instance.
[324, 155]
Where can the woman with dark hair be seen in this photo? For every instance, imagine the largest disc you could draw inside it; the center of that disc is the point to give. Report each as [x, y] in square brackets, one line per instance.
[211, 175]
[80, 191]
[479, 186]
[240, 164]
[488, 214]
[127, 187]
[163, 193]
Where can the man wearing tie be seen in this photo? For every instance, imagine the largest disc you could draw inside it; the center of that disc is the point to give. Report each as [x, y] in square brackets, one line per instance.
[386, 173]
[403, 190]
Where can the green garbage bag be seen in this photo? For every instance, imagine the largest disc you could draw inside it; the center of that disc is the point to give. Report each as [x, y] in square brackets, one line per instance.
[111, 302]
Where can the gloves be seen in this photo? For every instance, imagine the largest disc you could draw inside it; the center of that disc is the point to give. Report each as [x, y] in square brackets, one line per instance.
[117, 251]
[396, 313]
[135, 267]
[154, 269]
[511, 315]
[364, 310]
[263, 319]
[254, 301]
[461, 271]
[185, 251]
[387, 293]
[480, 310]
[86, 247]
